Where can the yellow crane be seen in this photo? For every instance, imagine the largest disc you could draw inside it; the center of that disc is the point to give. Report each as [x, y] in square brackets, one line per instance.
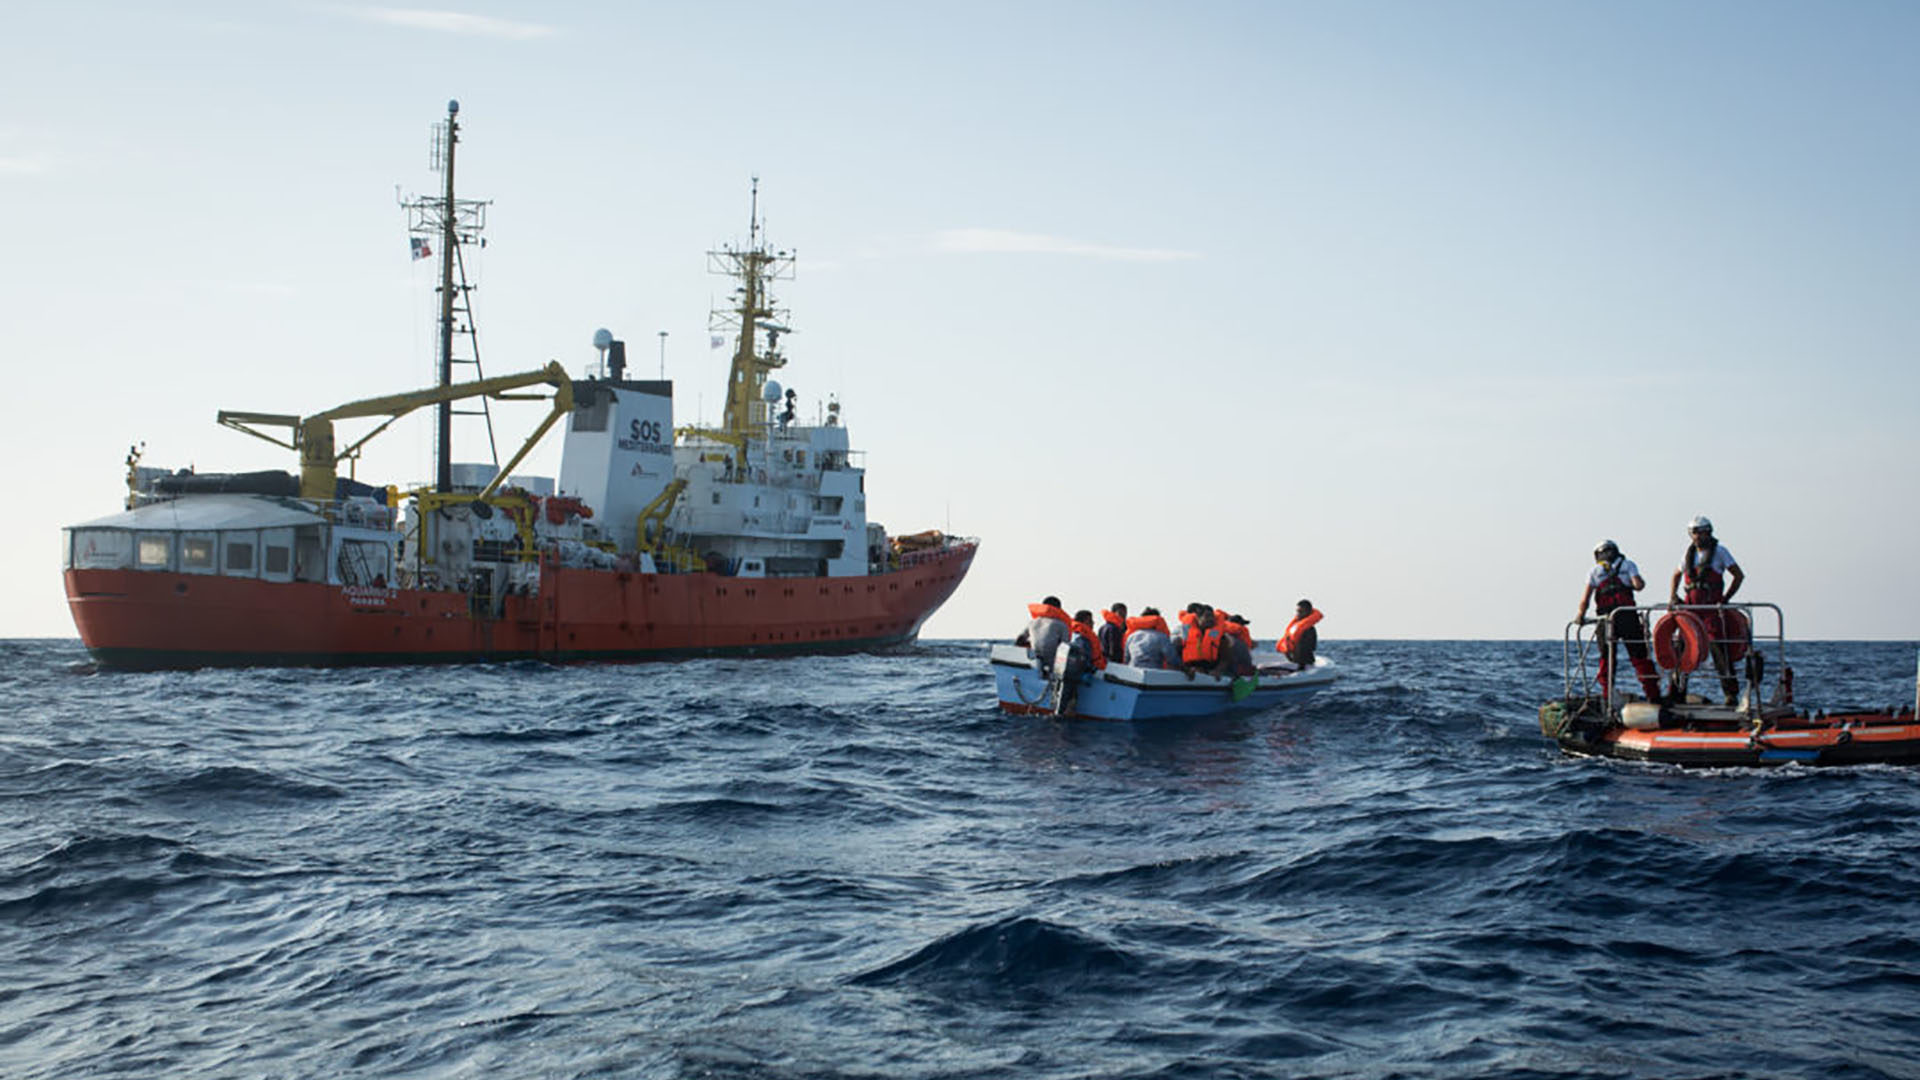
[312, 436]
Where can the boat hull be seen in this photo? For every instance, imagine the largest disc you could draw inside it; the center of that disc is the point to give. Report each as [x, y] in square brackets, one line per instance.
[1123, 692]
[1847, 738]
[146, 620]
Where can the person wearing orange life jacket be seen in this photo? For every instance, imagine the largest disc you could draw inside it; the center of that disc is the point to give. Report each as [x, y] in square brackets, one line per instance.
[1200, 649]
[1237, 625]
[1235, 648]
[1186, 623]
[1300, 639]
[1113, 632]
[1084, 635]
[1049, 630]
[1148, 644]
[1610, 587]
[1701, 568]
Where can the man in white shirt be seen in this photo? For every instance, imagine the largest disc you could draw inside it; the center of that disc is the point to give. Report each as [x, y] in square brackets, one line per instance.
[1711, 576]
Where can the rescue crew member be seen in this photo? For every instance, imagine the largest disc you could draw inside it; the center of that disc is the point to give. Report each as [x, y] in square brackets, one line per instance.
[1049, 629]
[1300, 639]
[1113, 632]
[1610, 588]
[1082, 628]
[1704, 568]
[1148, 644]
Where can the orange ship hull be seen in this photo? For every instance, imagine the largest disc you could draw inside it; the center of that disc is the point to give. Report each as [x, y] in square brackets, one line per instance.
[141, 619]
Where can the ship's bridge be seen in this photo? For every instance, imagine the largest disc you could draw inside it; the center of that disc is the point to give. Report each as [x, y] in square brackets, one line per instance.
[796, 497]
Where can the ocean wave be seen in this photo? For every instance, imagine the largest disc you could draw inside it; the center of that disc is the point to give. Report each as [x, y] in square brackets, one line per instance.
[1016, 954]
[856, 866]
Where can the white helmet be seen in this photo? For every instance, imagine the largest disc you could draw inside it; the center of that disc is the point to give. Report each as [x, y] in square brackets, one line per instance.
[1605, 549]
[1699, 522]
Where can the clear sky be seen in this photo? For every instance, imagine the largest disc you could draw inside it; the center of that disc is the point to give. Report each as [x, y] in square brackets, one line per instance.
[1398, 306]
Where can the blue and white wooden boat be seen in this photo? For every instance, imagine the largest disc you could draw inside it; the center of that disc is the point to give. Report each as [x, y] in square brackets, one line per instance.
[1124, 692]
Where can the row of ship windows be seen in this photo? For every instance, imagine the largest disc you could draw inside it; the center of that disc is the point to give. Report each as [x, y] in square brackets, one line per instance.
[824, 504]
[240, 553]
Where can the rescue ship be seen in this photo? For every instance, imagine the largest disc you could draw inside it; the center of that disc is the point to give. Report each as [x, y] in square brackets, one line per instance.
[1756, 721]
[655, 542]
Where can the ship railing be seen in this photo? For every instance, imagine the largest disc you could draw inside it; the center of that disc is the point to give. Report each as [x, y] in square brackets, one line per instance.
[1755, 658]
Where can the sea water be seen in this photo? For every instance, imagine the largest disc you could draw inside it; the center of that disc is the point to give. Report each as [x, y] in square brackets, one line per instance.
[857, 867]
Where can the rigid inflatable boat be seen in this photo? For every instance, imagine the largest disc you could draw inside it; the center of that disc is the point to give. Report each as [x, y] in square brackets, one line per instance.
[1742, 648]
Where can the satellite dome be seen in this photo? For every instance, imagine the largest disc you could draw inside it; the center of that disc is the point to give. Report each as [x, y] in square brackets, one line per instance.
[602, 338]
[772, 391]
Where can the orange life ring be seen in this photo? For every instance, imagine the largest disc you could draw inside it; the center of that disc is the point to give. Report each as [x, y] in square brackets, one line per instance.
[1679, 641]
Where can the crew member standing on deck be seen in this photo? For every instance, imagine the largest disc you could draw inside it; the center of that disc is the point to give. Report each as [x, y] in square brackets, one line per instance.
[1703, 573]
[1610, 588]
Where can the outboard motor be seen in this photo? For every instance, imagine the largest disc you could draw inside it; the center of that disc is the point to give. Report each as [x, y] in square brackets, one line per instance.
[1071, 663]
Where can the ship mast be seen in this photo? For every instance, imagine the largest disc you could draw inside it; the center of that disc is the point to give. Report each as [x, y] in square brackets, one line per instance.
[755, 268]
[450, 222]
[443, 412]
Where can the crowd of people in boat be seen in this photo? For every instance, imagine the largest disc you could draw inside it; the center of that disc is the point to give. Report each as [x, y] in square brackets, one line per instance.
[1706, 578]
[1205, 640]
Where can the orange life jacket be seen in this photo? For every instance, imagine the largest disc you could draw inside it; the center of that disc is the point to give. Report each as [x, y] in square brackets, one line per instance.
[1047, 611]
[1093, 642]
[1238, 630]
[1294, 629]
[1200, 646]
[1146, 622]
[1111, 619]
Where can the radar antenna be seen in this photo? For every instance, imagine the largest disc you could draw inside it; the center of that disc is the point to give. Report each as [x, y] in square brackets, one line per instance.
[755, 268]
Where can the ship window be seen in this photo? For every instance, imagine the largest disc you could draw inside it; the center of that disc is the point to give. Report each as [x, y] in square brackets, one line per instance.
[716, 498]
[309, 559]
[196, 553]
[278, 559]
[103, 549]
[156, 551]
[239, 552]
[592, 415]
